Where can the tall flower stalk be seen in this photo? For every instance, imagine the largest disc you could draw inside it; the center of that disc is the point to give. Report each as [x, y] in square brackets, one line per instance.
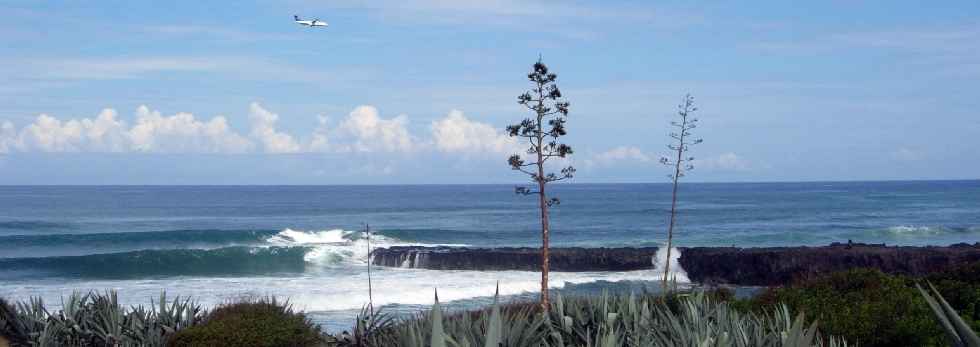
[542, 132]
[681, 164]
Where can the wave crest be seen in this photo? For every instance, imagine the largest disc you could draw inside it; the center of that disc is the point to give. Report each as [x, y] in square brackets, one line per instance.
[225, 261]
[921, 230]
[333, 247]
[912, 229]
[197, 253]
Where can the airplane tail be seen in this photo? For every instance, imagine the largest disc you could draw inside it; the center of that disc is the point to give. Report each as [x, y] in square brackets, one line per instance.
[295, 17]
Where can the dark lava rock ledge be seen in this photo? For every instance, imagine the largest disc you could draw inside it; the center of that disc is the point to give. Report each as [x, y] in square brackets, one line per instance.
[716, 265]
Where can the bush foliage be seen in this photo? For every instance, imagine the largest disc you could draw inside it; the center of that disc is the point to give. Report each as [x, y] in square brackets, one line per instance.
[258, 323]
[864, 306]
[961, 288]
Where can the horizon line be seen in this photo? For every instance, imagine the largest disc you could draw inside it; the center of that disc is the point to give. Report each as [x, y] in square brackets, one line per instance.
[485, 184]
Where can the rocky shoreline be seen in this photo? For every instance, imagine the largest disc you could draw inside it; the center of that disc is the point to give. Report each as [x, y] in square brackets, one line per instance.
[717, 265]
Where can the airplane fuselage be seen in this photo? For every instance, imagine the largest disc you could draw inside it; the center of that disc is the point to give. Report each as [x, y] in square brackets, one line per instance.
[312, 23]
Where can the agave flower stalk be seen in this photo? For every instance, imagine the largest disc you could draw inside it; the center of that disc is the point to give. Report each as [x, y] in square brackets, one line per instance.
[680, 164]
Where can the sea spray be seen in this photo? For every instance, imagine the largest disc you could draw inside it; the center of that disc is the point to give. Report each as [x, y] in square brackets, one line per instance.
[676, 271]
[334, 247]
[337, 247]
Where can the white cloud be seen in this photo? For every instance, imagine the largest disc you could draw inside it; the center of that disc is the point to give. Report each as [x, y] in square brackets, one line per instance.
[363, 130]
[724, 162]
[906, 154]
[618, 155]
[264, 130]
[104, 133]
[320, 142]
[152, 132]
[182, 133]
[222, 32]
[8, 137]
[959, 41]
[629, 154]
[371, 133]
[509, 13]
[43, 72]
[458, 134]
[568, 20]
[122, 68]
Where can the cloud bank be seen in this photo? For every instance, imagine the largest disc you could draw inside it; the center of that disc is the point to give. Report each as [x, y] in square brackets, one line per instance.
[363, 130]
[458, 134]
[625, 155]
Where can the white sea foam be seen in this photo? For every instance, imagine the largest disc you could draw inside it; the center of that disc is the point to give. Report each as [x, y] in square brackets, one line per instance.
[290, 236]
[333, 291]
[337, 247]
[676, 271]
[914, 230]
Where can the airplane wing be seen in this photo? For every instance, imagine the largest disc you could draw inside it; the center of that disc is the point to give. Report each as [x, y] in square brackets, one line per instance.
[310, 23]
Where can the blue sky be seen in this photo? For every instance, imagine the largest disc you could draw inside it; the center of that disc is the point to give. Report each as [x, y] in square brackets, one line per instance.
[192, 92]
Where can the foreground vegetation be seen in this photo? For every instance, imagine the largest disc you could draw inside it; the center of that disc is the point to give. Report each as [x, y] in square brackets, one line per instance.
[97, 319]
[857, 307]
[860, 307]
[609, 320]
[871, 308]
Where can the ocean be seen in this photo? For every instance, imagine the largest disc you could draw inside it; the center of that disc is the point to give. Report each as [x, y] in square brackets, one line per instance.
[305, 243]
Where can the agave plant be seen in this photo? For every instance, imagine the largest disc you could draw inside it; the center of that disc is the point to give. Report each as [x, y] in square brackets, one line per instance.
[11, 325]
[371, 328]
[94, 319]
[608, 321]
[629, 320]
[957, 330]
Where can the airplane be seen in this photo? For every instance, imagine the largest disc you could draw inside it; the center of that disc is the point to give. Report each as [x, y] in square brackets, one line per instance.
[309, 23]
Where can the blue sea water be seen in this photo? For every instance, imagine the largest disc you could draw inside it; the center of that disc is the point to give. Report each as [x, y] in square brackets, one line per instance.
[217, 243]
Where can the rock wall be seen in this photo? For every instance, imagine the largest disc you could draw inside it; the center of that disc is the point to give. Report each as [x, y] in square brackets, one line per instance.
[527, 259]
[783, 265]
[729, 265]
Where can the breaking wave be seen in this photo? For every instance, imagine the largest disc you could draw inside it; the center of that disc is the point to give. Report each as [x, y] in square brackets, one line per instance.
[200, 253]
[676, 272]
[84, 244]
[911, 229]
[238, 260]
[338, 247]
[922, 230]
[332, 247]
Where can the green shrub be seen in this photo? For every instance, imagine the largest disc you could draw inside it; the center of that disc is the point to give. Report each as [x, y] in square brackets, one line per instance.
[957, 330]
[863, 306]
[257, 323]
[961, 288]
